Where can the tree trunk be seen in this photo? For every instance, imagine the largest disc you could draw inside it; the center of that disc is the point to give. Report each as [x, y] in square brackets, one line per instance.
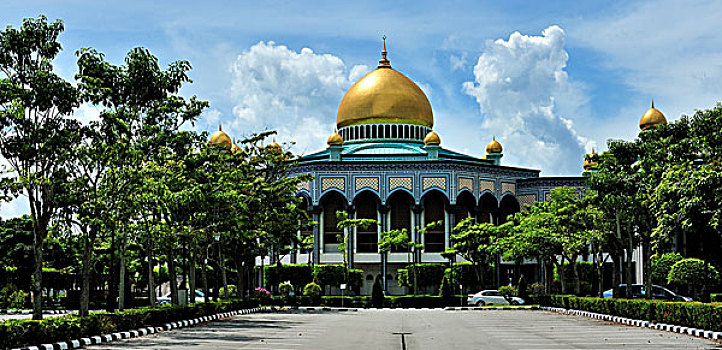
[646, 253]
[575, 271]
[38, 279]
[121, 267]
[204, 276]
[172, 276]
[222, 267]
[560, 269]
[192, 273]
[85, 285]
[629, 273]
[151, 284]
[616, 263]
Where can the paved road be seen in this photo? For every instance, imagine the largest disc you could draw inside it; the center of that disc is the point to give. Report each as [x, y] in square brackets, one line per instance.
[413, 329]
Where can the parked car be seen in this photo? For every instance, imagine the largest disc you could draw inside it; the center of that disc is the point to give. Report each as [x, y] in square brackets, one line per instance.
[658, 292]
[165, 299]
[492, 297]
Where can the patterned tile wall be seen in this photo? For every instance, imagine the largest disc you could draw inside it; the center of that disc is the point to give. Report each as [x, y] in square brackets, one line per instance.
[465, 182]
[370, 182]
[333, 182]
[486, 185]
[429, 182]
[402, 182]
[508, 187]
[528, 199]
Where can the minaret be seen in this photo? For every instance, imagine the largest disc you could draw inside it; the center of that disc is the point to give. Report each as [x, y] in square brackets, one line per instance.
[384, 62]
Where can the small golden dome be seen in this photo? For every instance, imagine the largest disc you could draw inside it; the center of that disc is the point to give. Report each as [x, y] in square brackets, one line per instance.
[651, 118]
[494, 146]
[591, 161]
[220, 139]
[335, 139]
[432, 138]
[384, 96]
[275, 147]
[235, 148]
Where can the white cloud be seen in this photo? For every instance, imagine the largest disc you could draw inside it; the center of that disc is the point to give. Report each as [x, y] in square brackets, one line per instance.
[528, 101]
[295, 93]
[667, 50]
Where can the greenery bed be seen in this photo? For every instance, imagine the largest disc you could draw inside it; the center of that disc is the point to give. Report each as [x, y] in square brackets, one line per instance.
[696, 315]
[16, 333]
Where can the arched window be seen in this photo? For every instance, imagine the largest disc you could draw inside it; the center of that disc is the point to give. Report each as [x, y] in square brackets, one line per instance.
[433, 212]
[366, 237]
[400, 215]
[331, 203]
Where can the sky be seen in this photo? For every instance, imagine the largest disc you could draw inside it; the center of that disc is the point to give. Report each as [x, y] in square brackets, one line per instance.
[550, 80]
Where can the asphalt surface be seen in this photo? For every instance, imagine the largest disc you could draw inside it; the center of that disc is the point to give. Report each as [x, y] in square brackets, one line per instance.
[412, 329]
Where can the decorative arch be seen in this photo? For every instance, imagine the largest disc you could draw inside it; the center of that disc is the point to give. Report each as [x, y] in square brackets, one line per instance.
[508, 205]
[331, 202]
[396, 190]
[434, 203]
[400, 204]
[465, 206]
[488, 208]
[367, 204]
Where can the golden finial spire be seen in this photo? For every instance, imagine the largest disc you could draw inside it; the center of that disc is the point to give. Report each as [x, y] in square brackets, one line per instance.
[384, 62]
[219, 127]
[652, 103]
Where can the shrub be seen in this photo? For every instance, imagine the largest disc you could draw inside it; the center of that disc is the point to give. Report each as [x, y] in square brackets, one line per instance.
[377, 293]
[464, 274]
[686, 314]
[19, 333]
[313, 291]
[521, 288]
[445, 291]
[427, 275]
[296, 274]
[335, 275]
[660, 266]
[12, 298]
[232, 290]
[285, 289]
[507, 290]
[694, 273]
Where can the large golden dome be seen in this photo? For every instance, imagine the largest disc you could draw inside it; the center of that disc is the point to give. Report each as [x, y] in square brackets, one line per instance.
[651, 118]
[384, 96]
[220, 139]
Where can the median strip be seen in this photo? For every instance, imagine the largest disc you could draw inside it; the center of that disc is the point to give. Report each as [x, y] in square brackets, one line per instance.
[638, 323]
[106, 338]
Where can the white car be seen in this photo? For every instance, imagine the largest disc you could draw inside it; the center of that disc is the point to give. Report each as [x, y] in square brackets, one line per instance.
[165, 299]
[492, 297]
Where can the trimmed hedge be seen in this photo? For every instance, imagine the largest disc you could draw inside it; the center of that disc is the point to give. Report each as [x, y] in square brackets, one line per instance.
[333, 275]
[18, 333]
[298, 274]
[687, 314]
[428, 275]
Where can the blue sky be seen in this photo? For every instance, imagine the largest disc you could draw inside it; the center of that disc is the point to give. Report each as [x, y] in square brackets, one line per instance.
[576, 73]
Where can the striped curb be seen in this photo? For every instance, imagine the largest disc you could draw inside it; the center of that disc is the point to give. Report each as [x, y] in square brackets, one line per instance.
[98, 339]
[319, 308]
[30, 312]
[475, 308]
[639, 323]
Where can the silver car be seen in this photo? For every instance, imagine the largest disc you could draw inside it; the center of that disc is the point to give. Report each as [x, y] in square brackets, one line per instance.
[491, 296]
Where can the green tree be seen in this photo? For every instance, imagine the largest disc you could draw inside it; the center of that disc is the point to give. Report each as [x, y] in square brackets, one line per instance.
[696, 274]
[145, 114]
[661, 264]
[36, 138]
[473, 242]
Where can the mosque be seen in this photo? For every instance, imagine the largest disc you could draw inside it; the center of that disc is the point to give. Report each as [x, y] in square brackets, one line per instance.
[385, 162]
